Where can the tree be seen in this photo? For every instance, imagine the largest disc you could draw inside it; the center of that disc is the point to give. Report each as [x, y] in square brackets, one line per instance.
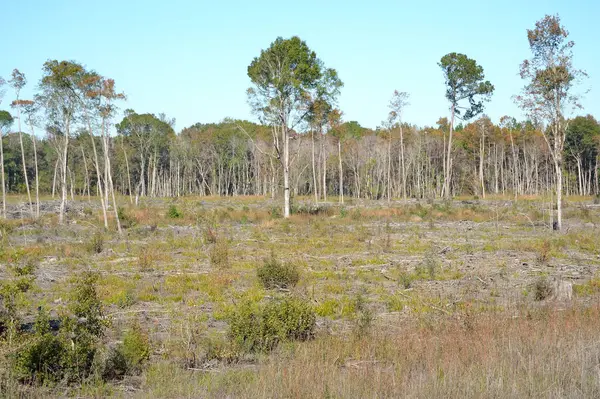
[548, 93]
[150, 136]
[397, 105]
[464, 81]
[6, 121]
[335, 127]
[17, 82]
[30, 109]
[581, 146]
[59, 96]
[284, 77]
[510, 125]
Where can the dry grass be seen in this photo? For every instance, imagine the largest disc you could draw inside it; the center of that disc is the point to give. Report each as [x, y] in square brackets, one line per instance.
[550, 353]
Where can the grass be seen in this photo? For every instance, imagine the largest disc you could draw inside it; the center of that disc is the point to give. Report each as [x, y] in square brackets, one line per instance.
[406, 296]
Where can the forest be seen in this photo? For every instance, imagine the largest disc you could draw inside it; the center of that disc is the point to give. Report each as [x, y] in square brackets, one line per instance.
[302, 146]
[301, 254]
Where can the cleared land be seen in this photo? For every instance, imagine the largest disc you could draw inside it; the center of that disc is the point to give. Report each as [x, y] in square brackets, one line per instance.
[467, 298]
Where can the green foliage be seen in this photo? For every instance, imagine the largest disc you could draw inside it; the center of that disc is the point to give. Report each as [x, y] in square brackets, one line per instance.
[255, 327]
[68, 356]
[174, 213]
[465, 81]
[125, 218]
[96, 243]
[128, 357]
[363, 316]
[275, 274]
[14, 296]
[86, 307]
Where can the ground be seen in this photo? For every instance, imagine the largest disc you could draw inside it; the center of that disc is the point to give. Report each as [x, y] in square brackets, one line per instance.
[382, 277]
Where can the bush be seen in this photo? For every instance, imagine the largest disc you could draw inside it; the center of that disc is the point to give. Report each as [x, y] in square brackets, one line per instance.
[219, 254]
[363, 316]
[544, 252]
[210, 235]
[274, 274]
[96, 243]
[542, 289]
[128, 357]
[68, 356]
[125, 218]
[174, 213]
[259, 328]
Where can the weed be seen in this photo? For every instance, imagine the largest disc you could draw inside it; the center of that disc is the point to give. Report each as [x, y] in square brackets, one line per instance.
[219, 254]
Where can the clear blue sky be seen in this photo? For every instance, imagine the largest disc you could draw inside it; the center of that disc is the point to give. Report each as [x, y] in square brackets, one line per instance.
[189, 58]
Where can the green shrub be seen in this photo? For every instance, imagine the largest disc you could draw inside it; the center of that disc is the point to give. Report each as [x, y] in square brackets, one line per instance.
[86, 307]
[276, 213]
[125, 218]
[174, 213]
[96, 243]
[40, 360]
[14, 297]
[128, 357]
[275, 274]
[255, 327]
[68, 356]
[363, 316]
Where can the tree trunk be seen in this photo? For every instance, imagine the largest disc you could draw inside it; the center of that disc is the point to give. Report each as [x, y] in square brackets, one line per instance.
[3, 184]
[63, 200]
[286, 172]
[448, 177]
[314, 170]
[23, 161]
[37, 182]
[341, 199]
[404, 195]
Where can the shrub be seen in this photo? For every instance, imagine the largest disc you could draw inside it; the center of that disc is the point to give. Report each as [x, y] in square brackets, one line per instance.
[544, 252]
[363, 316]
[174, 213]
[219, 254]
[128, 357]
[254, 327]
[125, 218]
[542, 289]
[96, 243]
[146, 259]
[68, 356]
[210, 235]
[275, 274]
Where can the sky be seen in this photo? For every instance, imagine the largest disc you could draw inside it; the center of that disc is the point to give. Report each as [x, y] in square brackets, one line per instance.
[189, 59]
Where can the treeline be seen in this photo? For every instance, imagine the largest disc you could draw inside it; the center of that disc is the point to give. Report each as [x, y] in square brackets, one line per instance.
[302, 145]
[235, 158]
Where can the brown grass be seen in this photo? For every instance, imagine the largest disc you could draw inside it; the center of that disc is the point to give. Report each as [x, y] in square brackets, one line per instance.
[548, 353]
